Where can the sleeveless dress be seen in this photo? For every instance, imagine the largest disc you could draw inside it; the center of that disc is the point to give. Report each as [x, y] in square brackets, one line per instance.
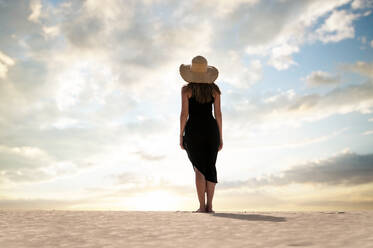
[202, 138]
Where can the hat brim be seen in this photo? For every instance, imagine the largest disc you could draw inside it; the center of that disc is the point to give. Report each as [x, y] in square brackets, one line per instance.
[198, 77]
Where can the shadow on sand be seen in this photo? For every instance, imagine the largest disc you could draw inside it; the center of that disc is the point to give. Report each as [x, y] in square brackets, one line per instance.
[251, 217]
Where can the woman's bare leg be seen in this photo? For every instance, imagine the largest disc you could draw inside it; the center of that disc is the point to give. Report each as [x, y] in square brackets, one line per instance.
[210, 194]
[201, 189]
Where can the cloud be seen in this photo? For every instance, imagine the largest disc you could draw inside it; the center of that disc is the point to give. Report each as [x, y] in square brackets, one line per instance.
[321, 78]
[18, 157]
[224, 8]
[127, 178]
[5, 62]
[35, 6]
[239, 74]
[368, 132]
[345, 100]
[278, 30]
[51, 31]
[302, 142]
[27, 164]
[64, 97]
[363, 39]
[346, 168]
[360, 67]
[25, 175]
[150, 157]
[361, 4]
[288, 108]
[132, 184]
[281, 57]
[338, 26]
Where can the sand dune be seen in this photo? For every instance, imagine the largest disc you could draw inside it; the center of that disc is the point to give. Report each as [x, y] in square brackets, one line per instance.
[55, 228]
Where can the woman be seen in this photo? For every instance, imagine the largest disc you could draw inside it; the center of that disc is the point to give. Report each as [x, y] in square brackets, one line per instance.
[203, 133]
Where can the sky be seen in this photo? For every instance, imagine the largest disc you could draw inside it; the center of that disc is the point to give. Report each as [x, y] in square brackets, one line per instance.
[90, 101]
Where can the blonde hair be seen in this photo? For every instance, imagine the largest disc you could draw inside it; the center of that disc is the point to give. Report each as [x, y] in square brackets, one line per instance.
[203, 92]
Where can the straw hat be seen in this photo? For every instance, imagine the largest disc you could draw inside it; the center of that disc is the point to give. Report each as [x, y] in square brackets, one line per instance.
[198, 71]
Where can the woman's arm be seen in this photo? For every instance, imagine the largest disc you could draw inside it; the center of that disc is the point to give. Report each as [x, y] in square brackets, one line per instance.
[184, 109]
[218, 117]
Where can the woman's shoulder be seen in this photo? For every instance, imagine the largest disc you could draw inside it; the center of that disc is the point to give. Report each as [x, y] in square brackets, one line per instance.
[215, 93]
[185, 89]
[215, 89]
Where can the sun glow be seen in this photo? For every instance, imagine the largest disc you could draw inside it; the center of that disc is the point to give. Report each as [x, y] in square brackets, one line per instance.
[155, 201]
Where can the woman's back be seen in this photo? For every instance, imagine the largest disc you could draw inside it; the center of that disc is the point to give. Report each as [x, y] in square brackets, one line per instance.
[201, 139]
[200, 110]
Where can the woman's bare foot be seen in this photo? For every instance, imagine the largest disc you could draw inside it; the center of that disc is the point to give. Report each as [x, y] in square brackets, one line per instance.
[200, 210]
[209, 209]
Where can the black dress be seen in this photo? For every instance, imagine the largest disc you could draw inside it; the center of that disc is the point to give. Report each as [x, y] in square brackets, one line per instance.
[202, 138]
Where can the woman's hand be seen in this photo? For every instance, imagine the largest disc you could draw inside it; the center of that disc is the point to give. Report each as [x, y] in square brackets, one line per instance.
[181, 142]
[221, 145]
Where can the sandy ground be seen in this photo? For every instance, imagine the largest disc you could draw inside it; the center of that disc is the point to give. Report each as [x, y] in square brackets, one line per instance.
[56, 228]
